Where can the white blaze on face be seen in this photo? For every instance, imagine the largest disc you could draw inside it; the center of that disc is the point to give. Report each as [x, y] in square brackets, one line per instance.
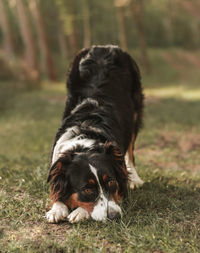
[103, 206]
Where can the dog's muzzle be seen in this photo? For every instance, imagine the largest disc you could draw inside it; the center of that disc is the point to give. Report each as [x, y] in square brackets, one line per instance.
[106, 209]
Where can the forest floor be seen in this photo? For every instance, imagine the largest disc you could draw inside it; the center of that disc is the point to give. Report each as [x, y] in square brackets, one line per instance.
[161, 216]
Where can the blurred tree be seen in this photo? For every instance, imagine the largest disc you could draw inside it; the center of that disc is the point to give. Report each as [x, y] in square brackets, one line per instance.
[86, 24]
[67, 16]
[192, 7]
[138, 13]
[72, 24]
[62, 40]
[30, 50]
[4, 23]
[47, 61]
[119, 4]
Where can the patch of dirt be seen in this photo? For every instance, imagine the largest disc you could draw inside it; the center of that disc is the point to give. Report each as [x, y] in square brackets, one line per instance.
[149, 152]
[189, 142]
[37, 232]
[167, 165]
[185, 142]
[179, 158]
[165, 138]
[194, 167]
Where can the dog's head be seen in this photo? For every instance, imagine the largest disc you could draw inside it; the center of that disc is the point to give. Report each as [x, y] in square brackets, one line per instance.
[95, 181]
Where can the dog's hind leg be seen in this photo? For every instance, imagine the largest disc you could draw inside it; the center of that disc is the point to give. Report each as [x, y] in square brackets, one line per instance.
[134, 179]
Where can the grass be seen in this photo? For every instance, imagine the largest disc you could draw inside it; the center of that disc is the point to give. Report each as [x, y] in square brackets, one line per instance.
[162, 216]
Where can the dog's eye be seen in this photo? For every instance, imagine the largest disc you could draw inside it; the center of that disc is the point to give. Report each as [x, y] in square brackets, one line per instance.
[111, 183]
[88, 191]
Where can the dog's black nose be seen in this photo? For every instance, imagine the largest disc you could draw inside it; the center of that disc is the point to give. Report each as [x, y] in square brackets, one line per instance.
[114, 215]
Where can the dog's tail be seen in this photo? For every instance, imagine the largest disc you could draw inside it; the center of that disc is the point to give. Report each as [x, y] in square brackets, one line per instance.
[73, 76]
[96, 61]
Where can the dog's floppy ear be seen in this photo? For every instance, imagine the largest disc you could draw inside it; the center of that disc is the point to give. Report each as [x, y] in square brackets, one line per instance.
[58, 178]
[119, 166]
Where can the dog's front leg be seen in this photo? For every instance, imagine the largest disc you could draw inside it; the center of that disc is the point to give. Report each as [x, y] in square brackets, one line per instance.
[134, 179]
[58, 212]
[78, 214]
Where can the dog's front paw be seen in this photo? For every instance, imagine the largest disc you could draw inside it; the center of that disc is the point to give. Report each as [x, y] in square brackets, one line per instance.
[135, 183]
[134, 180]
[78, 215]
[58, 212]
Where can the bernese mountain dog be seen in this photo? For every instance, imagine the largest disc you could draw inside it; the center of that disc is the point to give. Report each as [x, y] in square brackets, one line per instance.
[92, 157]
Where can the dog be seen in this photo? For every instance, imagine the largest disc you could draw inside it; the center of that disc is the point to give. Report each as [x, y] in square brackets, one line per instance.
[92, 159]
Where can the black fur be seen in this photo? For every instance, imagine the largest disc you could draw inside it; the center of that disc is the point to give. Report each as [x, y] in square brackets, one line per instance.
[115, 82]
[110, 79]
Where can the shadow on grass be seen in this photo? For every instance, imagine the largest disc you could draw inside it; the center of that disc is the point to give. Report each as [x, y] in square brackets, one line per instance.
[159, 199]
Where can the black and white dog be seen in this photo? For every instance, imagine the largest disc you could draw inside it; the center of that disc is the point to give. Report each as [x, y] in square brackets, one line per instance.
[92, 158]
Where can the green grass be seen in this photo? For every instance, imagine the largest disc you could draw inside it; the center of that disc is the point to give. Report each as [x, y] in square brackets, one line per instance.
[162, 216]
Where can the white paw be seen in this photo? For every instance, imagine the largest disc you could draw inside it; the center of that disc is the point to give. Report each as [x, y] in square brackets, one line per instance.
[134, 179]
[135, 183]
[57, 213]
[78, 215]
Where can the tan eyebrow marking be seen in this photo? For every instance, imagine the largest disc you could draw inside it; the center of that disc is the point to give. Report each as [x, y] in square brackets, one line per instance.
[91, 181]
[104, 177]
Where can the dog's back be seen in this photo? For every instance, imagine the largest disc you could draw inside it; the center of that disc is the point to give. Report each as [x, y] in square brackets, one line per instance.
[111, 77]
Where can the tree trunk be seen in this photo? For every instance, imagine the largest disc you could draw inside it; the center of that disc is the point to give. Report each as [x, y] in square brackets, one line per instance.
[122, 28]
[67, 19]
[47, 60]
[30, 51]
[61, 34]
[192, 8]
[72, 30]
[62, 43]
[7, 38]
[86, 24]
[138, 9]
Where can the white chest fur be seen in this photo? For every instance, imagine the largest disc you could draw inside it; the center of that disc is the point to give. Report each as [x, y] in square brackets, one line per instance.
[68, 141]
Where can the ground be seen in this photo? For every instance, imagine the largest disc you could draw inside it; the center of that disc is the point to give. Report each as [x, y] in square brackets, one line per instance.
[162, 216]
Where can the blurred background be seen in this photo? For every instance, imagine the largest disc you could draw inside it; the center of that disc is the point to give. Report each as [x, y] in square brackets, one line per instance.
[38, 38]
